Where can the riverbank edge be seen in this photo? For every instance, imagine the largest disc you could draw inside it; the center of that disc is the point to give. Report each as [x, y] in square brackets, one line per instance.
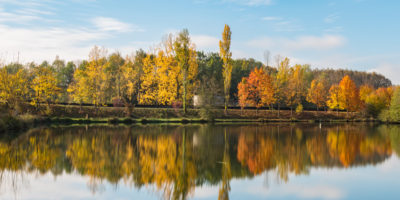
[22, 123]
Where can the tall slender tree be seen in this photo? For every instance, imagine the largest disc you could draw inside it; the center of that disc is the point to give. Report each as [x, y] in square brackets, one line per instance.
[226, 55]
[184, 51]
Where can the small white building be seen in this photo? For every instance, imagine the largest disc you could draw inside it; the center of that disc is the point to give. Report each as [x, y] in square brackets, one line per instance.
[217, 101]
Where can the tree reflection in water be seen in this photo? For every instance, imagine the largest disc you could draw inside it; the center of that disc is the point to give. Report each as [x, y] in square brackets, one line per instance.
[173, 160]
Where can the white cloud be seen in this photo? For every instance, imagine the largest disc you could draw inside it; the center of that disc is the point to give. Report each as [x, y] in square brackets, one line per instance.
[323, 42]
[389, 70]
[45, 43]
[300, 191]
[205, 41]
[251, 2]
[111, 24]
[271, 18]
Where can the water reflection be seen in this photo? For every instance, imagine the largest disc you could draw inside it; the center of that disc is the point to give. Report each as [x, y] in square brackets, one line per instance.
[174, 160]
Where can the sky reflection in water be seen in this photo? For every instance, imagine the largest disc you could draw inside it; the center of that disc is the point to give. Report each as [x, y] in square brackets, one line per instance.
[278, 161]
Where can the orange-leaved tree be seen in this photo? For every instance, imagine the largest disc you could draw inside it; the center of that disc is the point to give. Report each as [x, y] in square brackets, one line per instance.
[243, 94]
[349, 97]
[261, 91]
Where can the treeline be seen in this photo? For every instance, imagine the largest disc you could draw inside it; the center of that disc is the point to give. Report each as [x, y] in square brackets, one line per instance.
[289, 87]
[170, 74]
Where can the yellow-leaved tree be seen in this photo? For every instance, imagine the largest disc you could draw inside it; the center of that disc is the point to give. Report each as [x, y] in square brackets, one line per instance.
[90, 79]
[185, 55]
[317, 93]
[149, 84]
[226, 55]
[130, 80]
[365, 91]
[168, 73]
[334, 98]
[44, 85]
[296, 88]
[280, 83]
[14, 87]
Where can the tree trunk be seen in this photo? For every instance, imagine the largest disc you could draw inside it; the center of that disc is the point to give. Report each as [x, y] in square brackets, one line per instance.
[184, 95]
[291, 112]
[226, 104]
[279, 111]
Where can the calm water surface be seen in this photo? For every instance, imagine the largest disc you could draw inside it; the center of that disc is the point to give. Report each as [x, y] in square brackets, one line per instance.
[278, 161]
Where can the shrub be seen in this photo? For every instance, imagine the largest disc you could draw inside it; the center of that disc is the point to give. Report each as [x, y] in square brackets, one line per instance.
[299, 109]
[207, 113]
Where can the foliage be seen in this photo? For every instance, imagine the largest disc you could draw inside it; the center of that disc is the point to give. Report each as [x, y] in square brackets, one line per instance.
[14, 87]
[226, 54]
[349, 95]
[186, 58]
[317, 93]
[44, 85]
[256, 90]
[334, 98]
[392, 114]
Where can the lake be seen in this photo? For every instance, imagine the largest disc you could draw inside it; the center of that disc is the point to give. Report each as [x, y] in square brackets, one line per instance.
[250, 161]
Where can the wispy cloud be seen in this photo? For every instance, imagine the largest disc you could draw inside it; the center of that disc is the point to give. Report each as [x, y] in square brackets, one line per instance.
[250, 2]
[281, 24]
[111, 24]
[300, 43]
[331, 18]
[271, 18]
[205, 41]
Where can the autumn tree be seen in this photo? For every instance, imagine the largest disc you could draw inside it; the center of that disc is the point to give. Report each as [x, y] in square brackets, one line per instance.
[186, 58]
[131, 80]
[14, 87]
[378, 100]
[113, 77]
[334, 98]
[169, 78]
[44, 85]
[257, 89]
[296, 88]
[149, 85]
[243, 94]
[226, 54]
[280, 82]
[90, 79]
[317, 93]
[365, 91]
[349, 98]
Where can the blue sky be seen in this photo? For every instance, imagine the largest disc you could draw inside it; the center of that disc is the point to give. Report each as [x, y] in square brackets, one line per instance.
[352, 34]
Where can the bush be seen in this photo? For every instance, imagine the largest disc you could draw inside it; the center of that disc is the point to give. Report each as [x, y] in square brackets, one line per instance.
[207, 113]
[299, 109]
[12, 123]
[393, 113]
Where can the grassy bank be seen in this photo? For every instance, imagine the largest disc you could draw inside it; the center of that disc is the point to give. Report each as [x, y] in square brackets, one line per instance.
[68, 115]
